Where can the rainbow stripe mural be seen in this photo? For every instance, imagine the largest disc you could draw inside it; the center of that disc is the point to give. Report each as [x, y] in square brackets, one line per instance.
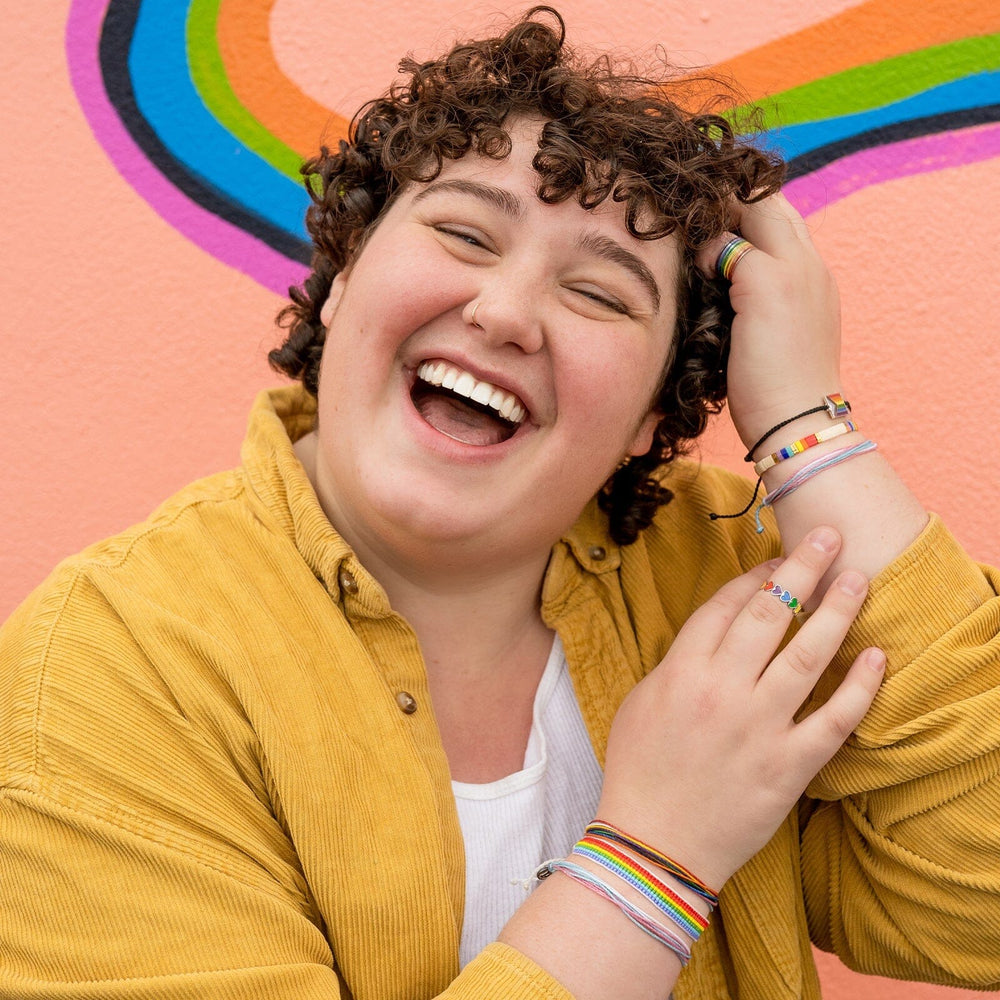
[191, 106]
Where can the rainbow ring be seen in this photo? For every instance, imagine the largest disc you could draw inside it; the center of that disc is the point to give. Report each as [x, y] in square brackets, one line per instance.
[732, 254]
[792, 603]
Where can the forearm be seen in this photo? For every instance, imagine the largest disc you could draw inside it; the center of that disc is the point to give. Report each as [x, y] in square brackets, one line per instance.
[588, 946]
[862, 498]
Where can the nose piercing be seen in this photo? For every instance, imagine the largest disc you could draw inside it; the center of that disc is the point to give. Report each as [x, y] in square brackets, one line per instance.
[472, 318]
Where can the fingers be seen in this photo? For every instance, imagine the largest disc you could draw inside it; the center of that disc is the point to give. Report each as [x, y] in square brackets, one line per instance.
[820, 735]
[773, 227]
[794, 672]
[759, 628]
[707, 627]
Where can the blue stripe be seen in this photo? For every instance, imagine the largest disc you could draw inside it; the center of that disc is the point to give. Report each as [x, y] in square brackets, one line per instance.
[168, 100]
[969, 92]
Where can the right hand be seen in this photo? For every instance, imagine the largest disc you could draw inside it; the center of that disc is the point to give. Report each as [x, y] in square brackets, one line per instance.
[705, 759]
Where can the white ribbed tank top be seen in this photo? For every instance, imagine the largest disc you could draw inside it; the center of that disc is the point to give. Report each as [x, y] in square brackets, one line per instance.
[512, 825]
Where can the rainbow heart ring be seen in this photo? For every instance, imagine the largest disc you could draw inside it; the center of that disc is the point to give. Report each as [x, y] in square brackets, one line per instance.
[792, 603]
[731, 255]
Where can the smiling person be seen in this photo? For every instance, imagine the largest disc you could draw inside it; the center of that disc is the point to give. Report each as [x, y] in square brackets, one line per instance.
[464, 616]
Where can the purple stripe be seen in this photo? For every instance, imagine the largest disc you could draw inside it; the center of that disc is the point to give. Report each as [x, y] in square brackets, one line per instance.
[224, 241]
[879, 164]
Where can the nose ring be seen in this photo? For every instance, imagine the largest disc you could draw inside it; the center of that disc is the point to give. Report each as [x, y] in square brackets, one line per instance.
[472, 318]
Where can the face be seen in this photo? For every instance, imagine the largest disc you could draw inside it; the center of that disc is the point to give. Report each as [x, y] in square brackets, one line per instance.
[490, 360]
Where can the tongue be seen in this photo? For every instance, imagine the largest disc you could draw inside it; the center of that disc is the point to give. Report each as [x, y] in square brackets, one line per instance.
[452, 417]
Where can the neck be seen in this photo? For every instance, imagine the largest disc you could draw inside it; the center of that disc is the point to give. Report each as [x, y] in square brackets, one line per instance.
[480, 601]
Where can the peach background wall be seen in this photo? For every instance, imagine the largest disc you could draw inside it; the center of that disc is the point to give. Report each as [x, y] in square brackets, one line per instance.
[136, 321]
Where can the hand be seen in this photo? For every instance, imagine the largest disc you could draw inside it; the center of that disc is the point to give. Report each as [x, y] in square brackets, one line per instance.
[705, 759]
[785, 352]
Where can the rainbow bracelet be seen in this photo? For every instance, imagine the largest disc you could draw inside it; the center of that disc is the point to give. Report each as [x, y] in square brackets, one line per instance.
[664, 899]
[809, 441]
[608, 832]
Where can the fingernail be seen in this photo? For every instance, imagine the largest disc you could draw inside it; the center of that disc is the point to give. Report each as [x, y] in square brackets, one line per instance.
[875, 659]
[824, 539]
[773, 563]
[852, 583]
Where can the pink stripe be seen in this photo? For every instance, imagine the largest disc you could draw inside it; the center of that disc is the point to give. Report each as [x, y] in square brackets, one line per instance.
[879, 164]
[221, 239]
[237, 248]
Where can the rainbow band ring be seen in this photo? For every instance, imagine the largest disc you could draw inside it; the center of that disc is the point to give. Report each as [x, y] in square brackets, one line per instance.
[804, 444]
[786, 598]
[731, 255]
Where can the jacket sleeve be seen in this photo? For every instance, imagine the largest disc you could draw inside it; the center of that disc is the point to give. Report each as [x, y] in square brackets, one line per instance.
[901, 830]
[141, 855]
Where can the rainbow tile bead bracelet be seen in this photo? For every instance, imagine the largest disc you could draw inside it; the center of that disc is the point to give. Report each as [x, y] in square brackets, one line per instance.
[803, 444]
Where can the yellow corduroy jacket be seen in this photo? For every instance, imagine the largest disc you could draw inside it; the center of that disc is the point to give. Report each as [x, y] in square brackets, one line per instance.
[208, 787]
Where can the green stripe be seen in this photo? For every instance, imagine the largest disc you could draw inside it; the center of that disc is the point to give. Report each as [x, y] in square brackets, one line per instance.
[208, 74]
[880, 83]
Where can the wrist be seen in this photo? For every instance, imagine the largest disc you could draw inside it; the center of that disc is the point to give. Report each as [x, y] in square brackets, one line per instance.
[765, 430]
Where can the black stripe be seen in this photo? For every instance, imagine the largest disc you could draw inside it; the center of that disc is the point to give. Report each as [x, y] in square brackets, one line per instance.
[117, 31]
[947, 121]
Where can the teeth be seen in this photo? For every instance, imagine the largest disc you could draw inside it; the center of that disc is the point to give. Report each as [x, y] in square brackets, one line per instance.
[463, 384]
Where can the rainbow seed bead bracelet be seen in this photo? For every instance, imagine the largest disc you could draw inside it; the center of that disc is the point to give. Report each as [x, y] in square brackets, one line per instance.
[688, 919]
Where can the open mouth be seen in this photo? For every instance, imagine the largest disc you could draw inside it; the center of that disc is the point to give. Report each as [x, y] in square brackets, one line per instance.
[463, 407]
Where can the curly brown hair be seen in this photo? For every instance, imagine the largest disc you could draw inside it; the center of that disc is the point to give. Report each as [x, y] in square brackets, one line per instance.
[608, 133]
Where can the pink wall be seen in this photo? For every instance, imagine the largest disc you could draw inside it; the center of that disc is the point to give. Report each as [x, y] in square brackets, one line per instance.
[131, 352]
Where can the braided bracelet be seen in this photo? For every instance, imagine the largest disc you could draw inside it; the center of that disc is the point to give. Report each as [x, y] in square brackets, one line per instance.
[834, 404]
[608, 832]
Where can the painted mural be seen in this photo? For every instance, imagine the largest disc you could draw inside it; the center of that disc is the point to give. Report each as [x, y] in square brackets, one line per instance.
[153, 221]
[190, 103]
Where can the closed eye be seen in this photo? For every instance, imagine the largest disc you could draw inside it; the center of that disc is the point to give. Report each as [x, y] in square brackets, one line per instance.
[604, 300]
[461, 234]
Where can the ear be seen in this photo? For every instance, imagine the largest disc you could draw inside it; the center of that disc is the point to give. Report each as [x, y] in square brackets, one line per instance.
[329, 308]
[643, 439]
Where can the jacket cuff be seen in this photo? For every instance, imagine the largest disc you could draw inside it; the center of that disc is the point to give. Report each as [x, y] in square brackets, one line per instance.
[926, 591]
[501, 971]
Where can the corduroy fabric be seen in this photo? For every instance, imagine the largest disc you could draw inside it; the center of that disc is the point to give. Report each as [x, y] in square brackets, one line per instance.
[207, 787]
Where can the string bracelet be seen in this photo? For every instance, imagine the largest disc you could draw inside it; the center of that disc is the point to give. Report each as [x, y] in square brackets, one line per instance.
[643, 921]
[808, 472]
[672, 906]
[834, 404]
[804, 444]
[608, 832]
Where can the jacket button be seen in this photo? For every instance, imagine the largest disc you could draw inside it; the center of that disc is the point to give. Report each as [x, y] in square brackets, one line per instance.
[347, 582]
[597, 553]
[407, 703]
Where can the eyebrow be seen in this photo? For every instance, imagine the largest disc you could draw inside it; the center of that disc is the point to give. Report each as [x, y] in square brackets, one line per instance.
[496, 197]
[512, 206]
[608, 249]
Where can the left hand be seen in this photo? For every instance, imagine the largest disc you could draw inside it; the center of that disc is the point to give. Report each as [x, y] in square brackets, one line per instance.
[785, 352]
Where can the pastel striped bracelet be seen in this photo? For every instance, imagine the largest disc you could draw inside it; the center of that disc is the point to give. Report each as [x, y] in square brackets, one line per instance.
[643, 921]
[803, 444]
[664, 899]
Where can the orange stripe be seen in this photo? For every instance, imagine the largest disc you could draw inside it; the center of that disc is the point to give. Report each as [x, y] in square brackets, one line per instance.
[262, 88]
[865, 34]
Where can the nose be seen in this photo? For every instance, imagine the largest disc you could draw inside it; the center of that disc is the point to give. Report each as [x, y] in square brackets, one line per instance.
[507, 312]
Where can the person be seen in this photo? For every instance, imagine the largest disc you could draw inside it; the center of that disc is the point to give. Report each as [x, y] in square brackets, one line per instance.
[464, 613]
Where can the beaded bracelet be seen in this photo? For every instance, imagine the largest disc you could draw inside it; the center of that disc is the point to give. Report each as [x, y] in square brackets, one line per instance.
[803, 444]
[643, 921]
[688, 919]
[608, 832]
[834, 404]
